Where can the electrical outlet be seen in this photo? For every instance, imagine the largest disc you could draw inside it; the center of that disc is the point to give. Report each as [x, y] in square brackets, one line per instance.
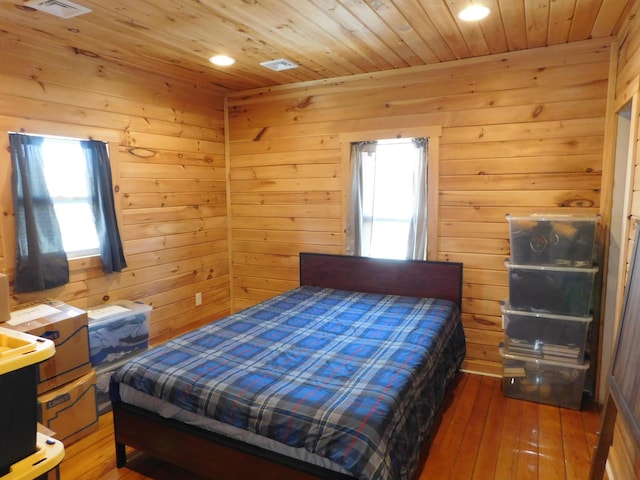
[198, 299]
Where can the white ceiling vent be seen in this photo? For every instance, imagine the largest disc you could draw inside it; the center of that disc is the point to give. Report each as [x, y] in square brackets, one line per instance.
[59, 8]
[280, 64]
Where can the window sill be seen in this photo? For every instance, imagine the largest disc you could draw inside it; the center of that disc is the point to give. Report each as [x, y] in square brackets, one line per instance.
[82, 263]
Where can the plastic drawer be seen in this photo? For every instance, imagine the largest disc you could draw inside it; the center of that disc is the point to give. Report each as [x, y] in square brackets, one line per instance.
[545, 289]
[543, 381]
[563, 240]
[545, 335]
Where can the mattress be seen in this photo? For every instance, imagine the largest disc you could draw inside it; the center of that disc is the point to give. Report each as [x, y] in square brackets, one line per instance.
[353, 378]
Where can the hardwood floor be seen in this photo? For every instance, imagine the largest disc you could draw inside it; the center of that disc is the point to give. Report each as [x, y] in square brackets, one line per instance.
[481, 435]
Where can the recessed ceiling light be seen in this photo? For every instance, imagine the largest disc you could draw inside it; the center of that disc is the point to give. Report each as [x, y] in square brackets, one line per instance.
[222, 60]
[473, 13]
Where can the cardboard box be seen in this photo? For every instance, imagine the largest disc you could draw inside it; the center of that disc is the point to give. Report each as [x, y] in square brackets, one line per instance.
[71, 409]
[67, 327]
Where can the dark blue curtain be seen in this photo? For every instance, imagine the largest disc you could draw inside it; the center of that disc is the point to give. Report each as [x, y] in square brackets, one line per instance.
[41, 262]
[101, 194]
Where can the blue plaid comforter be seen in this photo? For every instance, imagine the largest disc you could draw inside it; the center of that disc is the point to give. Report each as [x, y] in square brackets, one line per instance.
[353, 377]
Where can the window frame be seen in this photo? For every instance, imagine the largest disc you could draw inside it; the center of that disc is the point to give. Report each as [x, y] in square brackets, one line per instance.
[433, 134]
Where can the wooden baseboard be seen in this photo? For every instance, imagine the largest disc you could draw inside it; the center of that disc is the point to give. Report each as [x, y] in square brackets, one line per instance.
[482, 367]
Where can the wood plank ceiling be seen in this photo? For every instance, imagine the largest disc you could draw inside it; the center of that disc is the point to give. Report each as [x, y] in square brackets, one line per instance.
[326, 38]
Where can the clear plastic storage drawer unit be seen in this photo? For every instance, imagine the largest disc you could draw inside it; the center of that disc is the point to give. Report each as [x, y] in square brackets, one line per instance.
[545, 335]
[118, 330]
[564, 240]
[548, 289]
[543, 381]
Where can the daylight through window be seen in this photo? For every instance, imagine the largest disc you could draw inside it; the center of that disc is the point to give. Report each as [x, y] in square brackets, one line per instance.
[65, 169]
[389, 192]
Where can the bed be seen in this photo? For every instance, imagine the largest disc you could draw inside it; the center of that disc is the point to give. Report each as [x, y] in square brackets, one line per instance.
[341, 378]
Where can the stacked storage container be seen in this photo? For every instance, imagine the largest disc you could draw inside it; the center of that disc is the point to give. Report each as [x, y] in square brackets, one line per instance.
[118, 332]
[24, 452]
[547, 316]
[66, 381]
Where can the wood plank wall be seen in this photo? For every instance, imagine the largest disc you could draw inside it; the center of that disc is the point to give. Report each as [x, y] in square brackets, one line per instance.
[521, 133]
[166, 140]
[624, 457]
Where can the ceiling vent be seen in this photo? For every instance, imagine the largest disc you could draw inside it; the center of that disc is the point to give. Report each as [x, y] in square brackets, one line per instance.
[59, 8]
[279, 65]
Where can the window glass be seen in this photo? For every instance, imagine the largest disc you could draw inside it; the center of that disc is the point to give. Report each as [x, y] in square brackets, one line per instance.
[388, 191]
[395, 214]
[65, 170]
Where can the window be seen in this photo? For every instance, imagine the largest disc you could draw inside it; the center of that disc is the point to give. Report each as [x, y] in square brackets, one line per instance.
[63, 206]
[390, 180]
[65, 171]
[390, 193]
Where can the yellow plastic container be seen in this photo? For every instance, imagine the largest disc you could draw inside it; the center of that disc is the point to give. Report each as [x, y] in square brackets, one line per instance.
[49, 453]
[19, 350]
[20, 354]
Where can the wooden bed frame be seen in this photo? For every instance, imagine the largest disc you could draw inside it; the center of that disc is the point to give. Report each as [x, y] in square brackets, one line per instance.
[214, 456]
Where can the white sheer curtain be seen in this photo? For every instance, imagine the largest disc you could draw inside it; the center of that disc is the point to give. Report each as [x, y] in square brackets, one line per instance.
[417, 240]
[388, 204]
[356, 244]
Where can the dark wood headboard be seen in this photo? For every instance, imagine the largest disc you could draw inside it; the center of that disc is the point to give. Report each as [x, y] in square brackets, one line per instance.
[413, 278]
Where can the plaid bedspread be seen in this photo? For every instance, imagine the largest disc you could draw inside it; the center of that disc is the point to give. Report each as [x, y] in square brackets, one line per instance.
[353, 377]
